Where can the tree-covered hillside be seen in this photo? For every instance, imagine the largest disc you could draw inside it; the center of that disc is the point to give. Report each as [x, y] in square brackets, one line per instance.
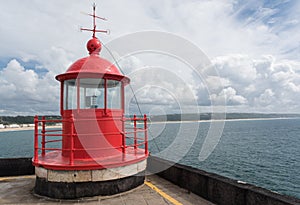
[7, 120]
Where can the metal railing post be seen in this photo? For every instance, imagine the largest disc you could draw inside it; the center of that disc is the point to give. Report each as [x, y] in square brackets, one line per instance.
[146, 134]
[43, 135]
[36, 139]
[72, 140]
[135, 139]
[123, 136]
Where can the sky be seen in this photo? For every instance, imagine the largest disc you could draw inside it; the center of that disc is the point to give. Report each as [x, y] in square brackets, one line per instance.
[253, 48]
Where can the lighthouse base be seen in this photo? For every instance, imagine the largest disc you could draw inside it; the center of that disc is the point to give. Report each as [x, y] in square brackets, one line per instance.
[87, 183]
[64, 190]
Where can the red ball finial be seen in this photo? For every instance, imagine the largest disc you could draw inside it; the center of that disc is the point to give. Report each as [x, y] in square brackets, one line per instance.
[94, 46]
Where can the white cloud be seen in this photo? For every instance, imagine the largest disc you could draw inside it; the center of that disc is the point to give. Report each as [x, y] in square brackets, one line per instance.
[266, 98]
[23, 92]
[254, 47]
[266, 84]
[214, 85]
[239, 68]
[19, 80]
[156, 86]
[231, 97]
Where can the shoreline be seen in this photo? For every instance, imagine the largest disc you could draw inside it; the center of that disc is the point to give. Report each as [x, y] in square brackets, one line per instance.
[25, 128]
[157, 122]
[224, 120]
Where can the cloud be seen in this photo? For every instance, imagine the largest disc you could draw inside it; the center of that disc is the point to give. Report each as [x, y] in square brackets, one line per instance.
[163, 88]
[266, 98]
[231, 97]
[239, 68]
[24, 93]
[218, 27]
[19, 79]
[254, 45]
[272, 85]
[261, 83]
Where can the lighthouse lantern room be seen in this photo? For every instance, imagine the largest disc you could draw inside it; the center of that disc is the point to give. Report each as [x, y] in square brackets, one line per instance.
[95, 152]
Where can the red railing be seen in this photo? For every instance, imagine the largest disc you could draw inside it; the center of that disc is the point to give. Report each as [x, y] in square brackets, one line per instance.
[43, 135]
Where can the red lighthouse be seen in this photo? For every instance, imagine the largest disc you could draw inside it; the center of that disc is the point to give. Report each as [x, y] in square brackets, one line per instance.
[95, 152]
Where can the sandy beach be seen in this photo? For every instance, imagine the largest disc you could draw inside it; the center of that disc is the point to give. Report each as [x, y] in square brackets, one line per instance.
[9, 129]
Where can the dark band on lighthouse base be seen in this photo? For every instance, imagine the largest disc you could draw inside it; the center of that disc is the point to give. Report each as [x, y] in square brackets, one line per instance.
[65, 190]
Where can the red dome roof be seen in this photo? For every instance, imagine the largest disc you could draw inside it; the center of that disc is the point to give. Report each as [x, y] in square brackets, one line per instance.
[93, 66]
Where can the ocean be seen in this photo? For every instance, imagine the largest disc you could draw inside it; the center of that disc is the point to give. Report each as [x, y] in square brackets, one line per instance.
[260, 152]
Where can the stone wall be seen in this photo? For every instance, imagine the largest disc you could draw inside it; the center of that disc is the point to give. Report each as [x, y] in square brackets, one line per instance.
[16, 167]
[215, 188]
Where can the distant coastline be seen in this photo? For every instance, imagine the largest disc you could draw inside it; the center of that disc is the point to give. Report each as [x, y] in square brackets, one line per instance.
[225, 120]
[14, 129]
[219, 116]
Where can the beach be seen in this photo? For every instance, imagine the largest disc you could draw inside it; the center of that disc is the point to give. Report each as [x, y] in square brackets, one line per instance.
[9, 129]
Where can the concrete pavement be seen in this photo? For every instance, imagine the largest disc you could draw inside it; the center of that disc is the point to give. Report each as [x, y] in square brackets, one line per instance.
[156, 191]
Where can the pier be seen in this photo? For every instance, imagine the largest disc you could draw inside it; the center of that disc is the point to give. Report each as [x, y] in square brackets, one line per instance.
[174, 184]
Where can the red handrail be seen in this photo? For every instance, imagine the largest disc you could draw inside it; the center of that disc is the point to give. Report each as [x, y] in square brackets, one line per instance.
[36, 139]
[45, 134]
[134, 132]
[72, 140]
[146, 134]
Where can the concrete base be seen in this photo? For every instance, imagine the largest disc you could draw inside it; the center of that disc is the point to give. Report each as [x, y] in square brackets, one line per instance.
[65, 190]
[72, 184]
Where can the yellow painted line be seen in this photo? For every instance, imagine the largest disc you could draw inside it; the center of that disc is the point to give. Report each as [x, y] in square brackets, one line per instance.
[17, 177]
[163, 194]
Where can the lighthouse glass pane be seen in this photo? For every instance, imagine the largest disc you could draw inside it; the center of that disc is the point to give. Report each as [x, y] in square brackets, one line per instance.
[91, 93]
[113, 94]
[70, 94]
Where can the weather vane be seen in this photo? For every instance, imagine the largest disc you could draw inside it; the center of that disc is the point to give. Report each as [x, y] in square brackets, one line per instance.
[94, 30]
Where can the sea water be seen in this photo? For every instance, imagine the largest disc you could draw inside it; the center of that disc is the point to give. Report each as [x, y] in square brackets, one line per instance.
[261, 152]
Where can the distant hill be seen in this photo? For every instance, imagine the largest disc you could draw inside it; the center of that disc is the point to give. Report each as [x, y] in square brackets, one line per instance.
[7, 120]
[209, 116]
